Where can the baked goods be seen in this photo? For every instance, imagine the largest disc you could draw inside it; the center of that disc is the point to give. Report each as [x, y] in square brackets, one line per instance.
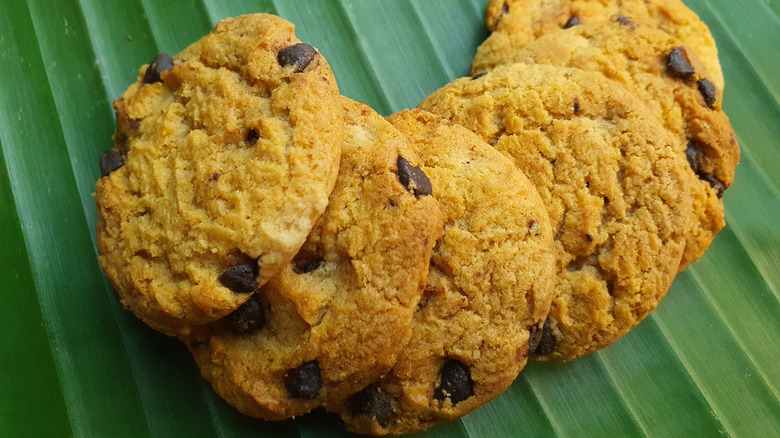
[224, 159]
[489, 287]
[649, 62]
[335, 319]
[515, 23]
[341, 325]
[612, 182]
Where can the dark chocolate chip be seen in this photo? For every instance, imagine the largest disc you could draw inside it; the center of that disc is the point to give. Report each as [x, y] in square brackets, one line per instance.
[547, 342]
[694, 160]
[535, 335]
[241, 278]
[299, 55]
[110, 161]
[251, 137]
[716, 184]
[161, 63]
[625, 21]
[374, 403]
[393, 203]
[589, 237]
[304, 381]
[248, 318]
[455, 383]
[678, 65]
[413, 178]
[404, 171]
[505, 9]
[572, 21]
[576, 105]
[215, 177]
[692, 154]
[424, 187]
[708, 91]
[478, 75]
[305, 263]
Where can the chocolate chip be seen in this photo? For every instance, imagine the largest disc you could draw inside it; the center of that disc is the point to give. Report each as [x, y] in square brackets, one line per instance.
[547, 341]
[393, 203]
[299, 55]
[504, 9]
[694, 160]
[478, 75]
[678, 65]
[572, 21]
[708, 91]
[535, 335]
[248, 318]
[716, 184]
[625, 21]
[161, 63]
[692, 154]
[455, 383]
[110, 161]
[576, 105]
[251, 137]
[589, 237]
[304, 381]
[305, 263]
[241, 278]
[413, 178]
[374, 403]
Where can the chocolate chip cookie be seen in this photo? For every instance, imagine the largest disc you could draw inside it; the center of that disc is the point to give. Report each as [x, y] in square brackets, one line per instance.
[613, 184]
[335, 318]
[515, 23]
[224, 158]
[489, 288]
[674, 84]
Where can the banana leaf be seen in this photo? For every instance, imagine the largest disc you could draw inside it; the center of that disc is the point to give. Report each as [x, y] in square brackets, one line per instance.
[73, 362]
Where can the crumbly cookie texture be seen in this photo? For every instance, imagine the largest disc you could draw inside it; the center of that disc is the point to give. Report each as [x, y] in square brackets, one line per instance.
[675, 86]
[335, 318]
[489, 288]
[225, 157]
[515, 23]
[611, 179]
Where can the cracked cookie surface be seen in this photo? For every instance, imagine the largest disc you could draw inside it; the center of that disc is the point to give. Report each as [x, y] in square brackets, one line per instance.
[489, 287]
[224, 158]
[515, 23]
[611, 180]
[688, 105]
[336, 317]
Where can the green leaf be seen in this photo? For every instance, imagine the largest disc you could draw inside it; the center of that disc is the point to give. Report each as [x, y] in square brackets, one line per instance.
[73, 362]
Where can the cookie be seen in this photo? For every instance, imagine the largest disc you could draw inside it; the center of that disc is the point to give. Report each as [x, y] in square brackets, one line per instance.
[515, 23]
[489, 288]
[224, 158]
[674, 84]
[610, 177]
[336, 317]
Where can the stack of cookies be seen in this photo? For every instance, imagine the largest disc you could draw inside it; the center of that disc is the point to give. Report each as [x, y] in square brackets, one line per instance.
[400, 272]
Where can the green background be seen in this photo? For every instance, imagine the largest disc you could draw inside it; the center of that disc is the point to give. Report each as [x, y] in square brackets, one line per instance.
[73, 362]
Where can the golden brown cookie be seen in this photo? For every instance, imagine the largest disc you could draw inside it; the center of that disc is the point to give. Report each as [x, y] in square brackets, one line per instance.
[613, 184]
[489, 287]
[335, 319]
[515, 23]
[224, 159]
[674, 84]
